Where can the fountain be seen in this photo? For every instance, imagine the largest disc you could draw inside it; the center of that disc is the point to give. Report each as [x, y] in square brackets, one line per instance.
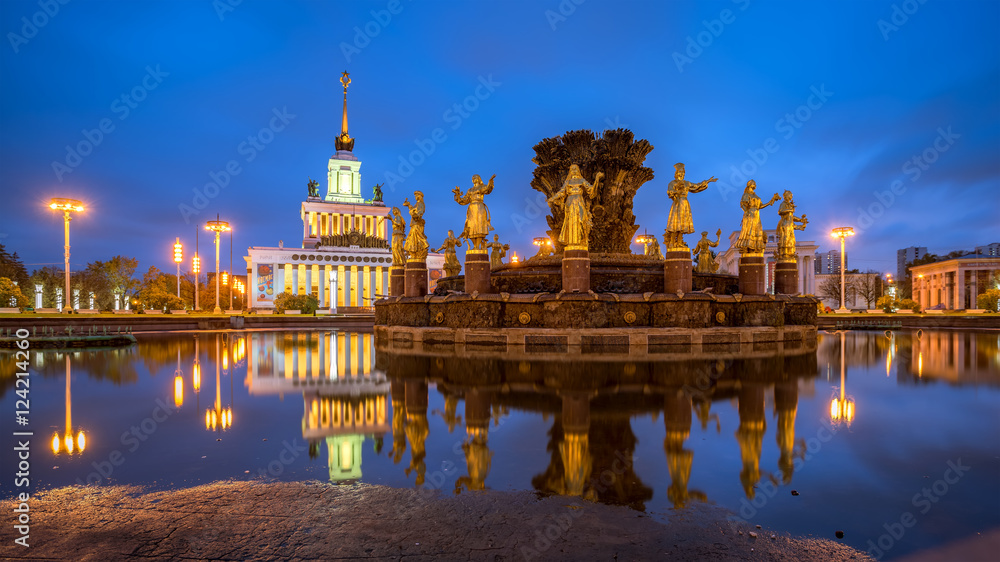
[587, 288]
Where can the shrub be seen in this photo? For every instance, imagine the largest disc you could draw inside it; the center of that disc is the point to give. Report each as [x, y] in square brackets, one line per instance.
[11, 295]
[285, 301]
[886, 302]
[909, 303]
[989, 300]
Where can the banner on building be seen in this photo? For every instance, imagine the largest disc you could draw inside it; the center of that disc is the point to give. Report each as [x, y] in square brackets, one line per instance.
[265, 282]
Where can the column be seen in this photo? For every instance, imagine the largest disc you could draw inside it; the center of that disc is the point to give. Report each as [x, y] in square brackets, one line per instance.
[752, 275]
[322, 279]
[76, 299]
[342, 283]
[385, 280]
[960, 290]
[477, 272]
[352, 285]
[576, 270]
[362, 284]
[415, 278]
[308, 277]
[38, 298]
[295, 280]
[974, 289]
[677, 270]
[279, 278]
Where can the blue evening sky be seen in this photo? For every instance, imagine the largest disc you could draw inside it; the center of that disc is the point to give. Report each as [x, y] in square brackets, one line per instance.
[833, 100]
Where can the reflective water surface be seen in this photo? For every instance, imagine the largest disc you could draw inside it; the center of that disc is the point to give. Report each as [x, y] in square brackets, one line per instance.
[890, 437]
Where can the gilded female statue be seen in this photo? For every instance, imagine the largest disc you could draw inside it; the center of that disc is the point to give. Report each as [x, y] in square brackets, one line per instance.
[416, 241]
[477, 216]
[398, 237]
[498, 252]
[574, 198]
[679, 220]
[787, 227]
[703, 253]
[751, 240]
[451, 265]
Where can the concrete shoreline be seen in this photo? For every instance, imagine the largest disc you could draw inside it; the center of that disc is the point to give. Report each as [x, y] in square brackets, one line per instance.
[238, 520]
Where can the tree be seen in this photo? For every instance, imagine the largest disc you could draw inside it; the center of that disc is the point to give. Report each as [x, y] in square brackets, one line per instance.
[157, 291]
[120, 271]
[620, 157]
[11, 295]
[12, 268]
[50, 278]
[988, 300]
[868, 286]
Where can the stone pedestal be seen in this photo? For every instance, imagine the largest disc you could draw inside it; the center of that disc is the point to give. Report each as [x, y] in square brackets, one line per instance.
[477, 273]
[415, 275]
[576, 271]
[396, 281]
[786, 278]
[677, 271]
[752, 278]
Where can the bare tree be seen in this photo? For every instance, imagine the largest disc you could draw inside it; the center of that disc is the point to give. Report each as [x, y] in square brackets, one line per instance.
[867, 285]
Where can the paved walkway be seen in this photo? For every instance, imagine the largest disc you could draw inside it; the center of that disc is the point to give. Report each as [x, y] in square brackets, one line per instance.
[315, 521]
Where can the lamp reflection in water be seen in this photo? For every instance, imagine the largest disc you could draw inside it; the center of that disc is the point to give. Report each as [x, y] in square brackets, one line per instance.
[842, 408]
[178, 381]
[219, 418]
[68, 442]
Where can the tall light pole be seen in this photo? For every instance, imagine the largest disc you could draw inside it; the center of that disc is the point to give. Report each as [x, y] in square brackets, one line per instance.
[178, 258]
[217, 226]
[66, 205]
[842, 232]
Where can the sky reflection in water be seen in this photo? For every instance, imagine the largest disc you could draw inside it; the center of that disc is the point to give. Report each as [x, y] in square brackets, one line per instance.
[741, 429]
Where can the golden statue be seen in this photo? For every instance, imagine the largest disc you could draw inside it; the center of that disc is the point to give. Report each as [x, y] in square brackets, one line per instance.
[416, 241]
[477, 216]
[703, 253]
[679, 221]
[787, 228]
[478, 458]
[451, 265]
[574, 198]
[398, 237]
[751, 240]
[651, 247]
[498, 252]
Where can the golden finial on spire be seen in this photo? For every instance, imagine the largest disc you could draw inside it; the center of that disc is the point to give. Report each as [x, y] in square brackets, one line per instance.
[344, 141]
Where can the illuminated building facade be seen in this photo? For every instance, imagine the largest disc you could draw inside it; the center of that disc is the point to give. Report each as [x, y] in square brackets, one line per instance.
[954, 283]
[345, 255]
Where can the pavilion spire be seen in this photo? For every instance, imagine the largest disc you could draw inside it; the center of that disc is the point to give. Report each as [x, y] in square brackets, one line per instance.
[344, 141]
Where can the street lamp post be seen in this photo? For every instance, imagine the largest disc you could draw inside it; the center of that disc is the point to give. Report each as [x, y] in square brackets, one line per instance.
[217, 226]
[66, 205]
[196, 269]
[178, 258]
[842, 232]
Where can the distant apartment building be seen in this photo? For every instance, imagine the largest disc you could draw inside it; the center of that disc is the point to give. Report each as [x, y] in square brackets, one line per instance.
[829, 262]
[905, 256]
[989, 250]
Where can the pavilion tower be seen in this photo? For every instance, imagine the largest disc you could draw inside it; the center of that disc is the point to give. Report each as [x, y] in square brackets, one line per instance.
[344, 168]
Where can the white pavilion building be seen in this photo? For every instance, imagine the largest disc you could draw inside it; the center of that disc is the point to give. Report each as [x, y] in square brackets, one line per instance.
[345, 255]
